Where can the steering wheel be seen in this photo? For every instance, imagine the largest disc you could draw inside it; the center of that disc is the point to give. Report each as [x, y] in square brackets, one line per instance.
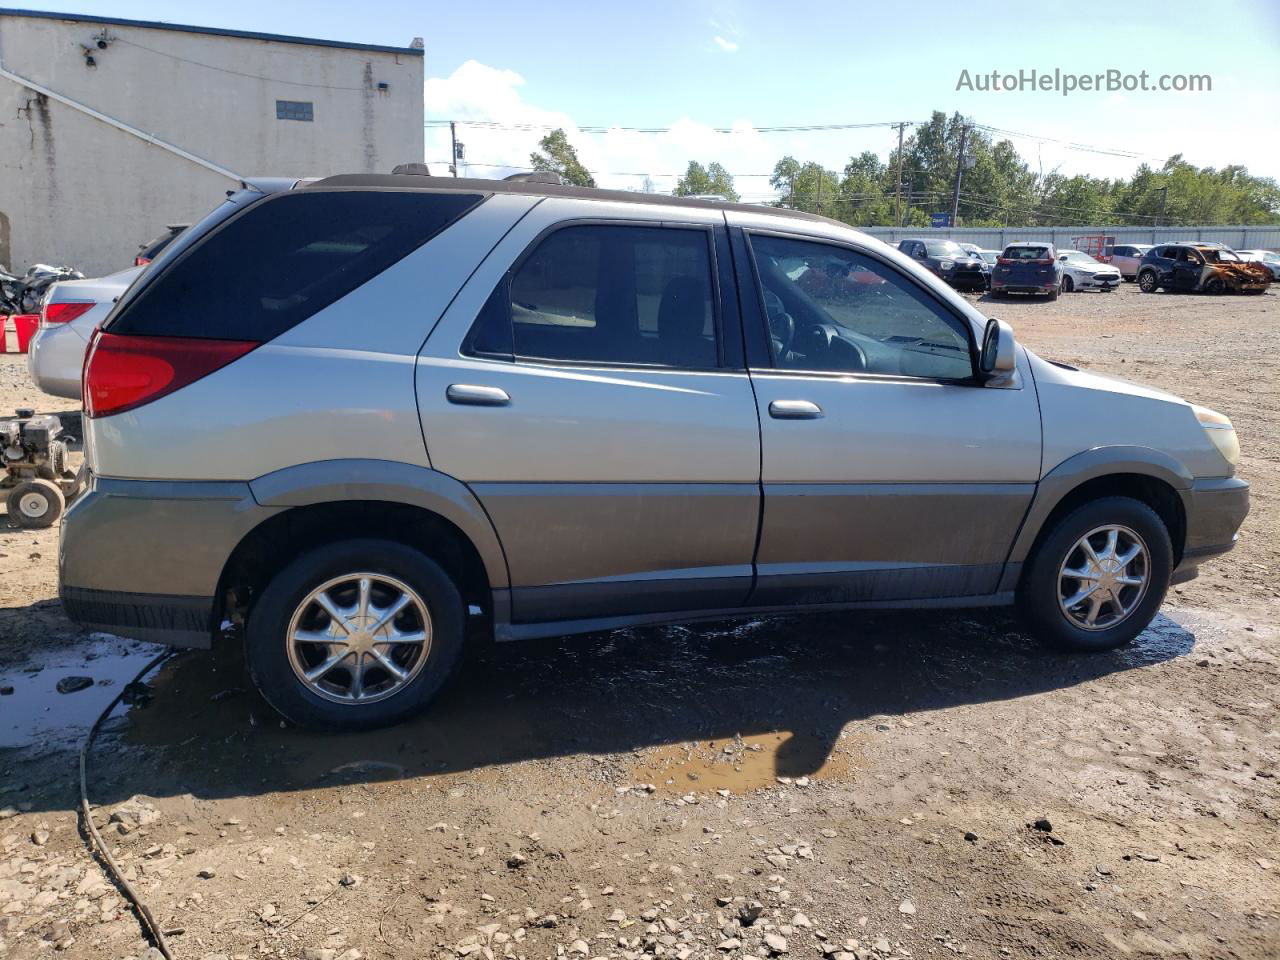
[830, 351]
[782, 326]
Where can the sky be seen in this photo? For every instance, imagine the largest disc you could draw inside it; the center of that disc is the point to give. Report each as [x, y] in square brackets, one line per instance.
[699, 65]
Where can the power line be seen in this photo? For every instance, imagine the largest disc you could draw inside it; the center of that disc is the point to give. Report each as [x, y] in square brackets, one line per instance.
[601, 128]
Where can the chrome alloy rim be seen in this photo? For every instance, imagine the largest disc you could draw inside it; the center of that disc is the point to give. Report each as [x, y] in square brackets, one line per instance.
[1104, 577]
[359, 638]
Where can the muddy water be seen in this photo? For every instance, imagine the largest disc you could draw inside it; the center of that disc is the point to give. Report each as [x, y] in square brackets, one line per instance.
[35, 715]
[728, 706]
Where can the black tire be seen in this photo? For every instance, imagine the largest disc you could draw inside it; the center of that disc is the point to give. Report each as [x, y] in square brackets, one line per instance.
[1215, 286]
[1053, 294]
[1038, 593]
[267, 649]
[35, 504]
[1148, 282]
[1068, 285]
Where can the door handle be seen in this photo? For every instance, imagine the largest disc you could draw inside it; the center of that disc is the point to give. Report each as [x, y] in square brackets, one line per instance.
[469, 395]
[794, 410]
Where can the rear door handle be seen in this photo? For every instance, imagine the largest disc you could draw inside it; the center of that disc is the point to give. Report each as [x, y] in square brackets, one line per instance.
[467, 394]
[794, 410]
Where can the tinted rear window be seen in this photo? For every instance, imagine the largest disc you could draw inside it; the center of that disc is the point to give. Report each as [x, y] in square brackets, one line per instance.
[283, 260]
[1026, 252]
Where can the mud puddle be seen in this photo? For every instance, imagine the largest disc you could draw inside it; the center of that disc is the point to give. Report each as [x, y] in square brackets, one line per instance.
[36, 716]
[739, 765]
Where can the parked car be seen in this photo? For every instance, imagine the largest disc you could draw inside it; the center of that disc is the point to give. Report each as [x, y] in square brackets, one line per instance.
[948, 260]
[70, 313]
[151, 249]
[542, 409]
[1082, 272]
[974, 251]
[1202, 267]
[1268, 258]
[989, 256]
[1027, 268]
[1126, 257]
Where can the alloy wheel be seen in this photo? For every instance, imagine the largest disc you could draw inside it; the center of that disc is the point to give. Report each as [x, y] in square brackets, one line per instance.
[359, 638]
[1104, 577]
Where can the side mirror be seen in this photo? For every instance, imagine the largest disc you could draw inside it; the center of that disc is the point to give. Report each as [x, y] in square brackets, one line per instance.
[999, 349]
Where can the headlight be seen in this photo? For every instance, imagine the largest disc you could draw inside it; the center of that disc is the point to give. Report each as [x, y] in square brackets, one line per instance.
[947, 264]
[1221, 432]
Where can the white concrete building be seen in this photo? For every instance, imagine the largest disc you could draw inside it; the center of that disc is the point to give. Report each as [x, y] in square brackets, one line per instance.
[111, 129]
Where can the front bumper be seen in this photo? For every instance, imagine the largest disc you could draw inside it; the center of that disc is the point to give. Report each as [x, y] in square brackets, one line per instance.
[1215, 508]
[143, 558]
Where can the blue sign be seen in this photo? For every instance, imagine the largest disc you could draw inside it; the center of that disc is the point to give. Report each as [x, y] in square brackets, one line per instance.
[939, 219]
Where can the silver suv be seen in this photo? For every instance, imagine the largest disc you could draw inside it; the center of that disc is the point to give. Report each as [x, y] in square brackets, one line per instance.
[431, 404]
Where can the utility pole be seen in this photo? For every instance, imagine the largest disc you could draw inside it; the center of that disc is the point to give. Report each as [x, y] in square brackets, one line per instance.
[897, 193]
[453, 148]
[955, 199]
[1164, 197]
[822, 175]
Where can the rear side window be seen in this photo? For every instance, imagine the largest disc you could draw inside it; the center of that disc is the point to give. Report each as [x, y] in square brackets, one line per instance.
[285, 259]
[606, 294]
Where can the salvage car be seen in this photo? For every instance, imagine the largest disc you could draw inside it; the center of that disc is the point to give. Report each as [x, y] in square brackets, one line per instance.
[584, 409]
[71, 310]
[1200, 267]
[1127, 257]
[949, 261]
[1027, 268]
[1082, 272]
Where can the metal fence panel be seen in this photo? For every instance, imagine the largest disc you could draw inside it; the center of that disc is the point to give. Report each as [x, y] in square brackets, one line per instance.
[1242, 237]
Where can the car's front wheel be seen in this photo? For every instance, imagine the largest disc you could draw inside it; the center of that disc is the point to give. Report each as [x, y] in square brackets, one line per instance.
[354, 635]
[1099, 576]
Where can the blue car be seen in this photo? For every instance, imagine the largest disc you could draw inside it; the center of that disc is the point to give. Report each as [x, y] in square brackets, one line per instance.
[1027, 267]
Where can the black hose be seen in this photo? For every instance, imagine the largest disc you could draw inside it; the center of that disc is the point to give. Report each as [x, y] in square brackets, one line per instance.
[145, 916]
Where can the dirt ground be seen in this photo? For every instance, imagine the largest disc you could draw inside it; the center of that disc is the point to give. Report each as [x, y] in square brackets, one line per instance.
[854, 786]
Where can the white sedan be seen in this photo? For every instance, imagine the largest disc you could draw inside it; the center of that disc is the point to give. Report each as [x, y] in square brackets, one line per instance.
[68, 316]
[1081, 272]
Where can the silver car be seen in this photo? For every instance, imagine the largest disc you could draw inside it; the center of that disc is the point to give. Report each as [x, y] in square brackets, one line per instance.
[533, 409]
[70, 313]
[1127, 257]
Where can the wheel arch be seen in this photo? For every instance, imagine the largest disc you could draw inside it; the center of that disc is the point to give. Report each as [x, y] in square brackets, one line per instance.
[318, 503]
[1147, 475]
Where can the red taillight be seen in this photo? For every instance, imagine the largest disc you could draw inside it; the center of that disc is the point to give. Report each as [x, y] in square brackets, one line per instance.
[65, 312]
[123, 372]
[1006, 260]
[141, 261]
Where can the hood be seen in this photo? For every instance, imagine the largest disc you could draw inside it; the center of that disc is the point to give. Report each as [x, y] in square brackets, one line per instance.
[1064, 374]
[1248, 270]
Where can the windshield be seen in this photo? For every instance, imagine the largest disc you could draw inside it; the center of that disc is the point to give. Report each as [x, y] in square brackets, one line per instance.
[1219, 256]
[1076, 256]
[944, 248]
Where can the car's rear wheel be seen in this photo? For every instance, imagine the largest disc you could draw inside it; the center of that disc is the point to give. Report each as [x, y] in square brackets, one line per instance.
[1068, 285]
[1148, 282]
[1098, 578]
[1053, 294]
[354, 635]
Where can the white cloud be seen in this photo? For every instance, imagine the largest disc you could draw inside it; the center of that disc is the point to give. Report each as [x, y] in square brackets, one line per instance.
[617, 158]
[728, 46]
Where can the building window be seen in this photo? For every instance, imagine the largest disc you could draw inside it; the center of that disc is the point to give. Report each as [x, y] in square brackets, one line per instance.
[295, 110]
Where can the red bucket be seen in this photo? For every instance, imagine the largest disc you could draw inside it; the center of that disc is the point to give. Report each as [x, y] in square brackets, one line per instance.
[25, 325]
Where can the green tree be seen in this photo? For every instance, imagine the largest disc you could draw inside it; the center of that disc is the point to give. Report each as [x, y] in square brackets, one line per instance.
[558, 156]
[806, 186]
[713, 179]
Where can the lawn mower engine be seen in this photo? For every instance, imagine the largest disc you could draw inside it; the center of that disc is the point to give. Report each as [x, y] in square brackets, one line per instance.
[36, 481]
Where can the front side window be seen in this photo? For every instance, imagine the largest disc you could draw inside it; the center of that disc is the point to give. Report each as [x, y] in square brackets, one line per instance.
[831, 309]
[606, 294]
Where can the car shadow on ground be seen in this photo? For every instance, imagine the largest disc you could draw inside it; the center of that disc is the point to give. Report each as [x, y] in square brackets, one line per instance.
[797, 680]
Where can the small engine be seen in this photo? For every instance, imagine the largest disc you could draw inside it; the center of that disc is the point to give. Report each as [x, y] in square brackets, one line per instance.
[34, 455]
